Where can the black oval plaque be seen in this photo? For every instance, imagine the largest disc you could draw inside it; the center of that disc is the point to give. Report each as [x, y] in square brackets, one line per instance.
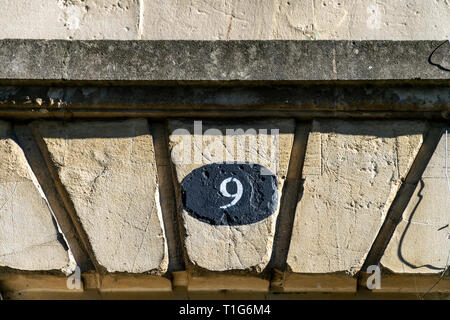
[230, 194]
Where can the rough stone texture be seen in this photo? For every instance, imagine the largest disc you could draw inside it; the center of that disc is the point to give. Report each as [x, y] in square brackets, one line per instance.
[29, 237]
[296, 19]
[225, 247]
[352, 172]
[224, 282]
[420, 285]
[108, 170]
[70, 19]
[421, 242]
[221, 60]
[226, 20]
[293, 282]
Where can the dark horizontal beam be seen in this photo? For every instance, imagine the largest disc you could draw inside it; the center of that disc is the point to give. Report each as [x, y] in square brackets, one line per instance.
[404, 101]
[210, 61]
[162, 114]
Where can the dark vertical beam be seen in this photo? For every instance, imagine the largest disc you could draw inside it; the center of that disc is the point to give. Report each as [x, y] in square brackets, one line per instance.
[290, 196]
[36, 161]
[65, 201]
[404, 194]
[167, 195]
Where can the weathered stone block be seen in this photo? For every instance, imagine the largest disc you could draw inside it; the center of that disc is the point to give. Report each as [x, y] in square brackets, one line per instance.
[420, 285]
[231, 243]
[224, 20]
[108, 170]
[29, 236]
[74, 19]
[293, 282]
[421, 241]
[351, 174]
[296, 19]
[32, 286]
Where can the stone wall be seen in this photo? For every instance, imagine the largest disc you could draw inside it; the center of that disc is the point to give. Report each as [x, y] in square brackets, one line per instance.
[226, 19]
[238, 169]
[90, 193]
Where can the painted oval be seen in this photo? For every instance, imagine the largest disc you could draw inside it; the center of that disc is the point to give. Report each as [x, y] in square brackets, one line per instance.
[230, 193]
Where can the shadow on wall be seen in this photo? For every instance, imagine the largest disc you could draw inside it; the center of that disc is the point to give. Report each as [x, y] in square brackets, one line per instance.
[99, 128]
[441, 56]
[402, 237]
[106, 128]
[370, 128]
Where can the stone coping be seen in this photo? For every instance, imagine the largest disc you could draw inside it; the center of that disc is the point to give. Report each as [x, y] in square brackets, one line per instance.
[223, 61]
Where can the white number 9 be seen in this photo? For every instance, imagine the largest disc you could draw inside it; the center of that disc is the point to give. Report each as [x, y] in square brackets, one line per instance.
[237, 196]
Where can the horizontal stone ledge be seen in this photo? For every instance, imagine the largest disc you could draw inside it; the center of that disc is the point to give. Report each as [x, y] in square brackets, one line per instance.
[92, 286]
[319, 283]
[419, 284]
[112, 60]
[125, 286]
[279, 100]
